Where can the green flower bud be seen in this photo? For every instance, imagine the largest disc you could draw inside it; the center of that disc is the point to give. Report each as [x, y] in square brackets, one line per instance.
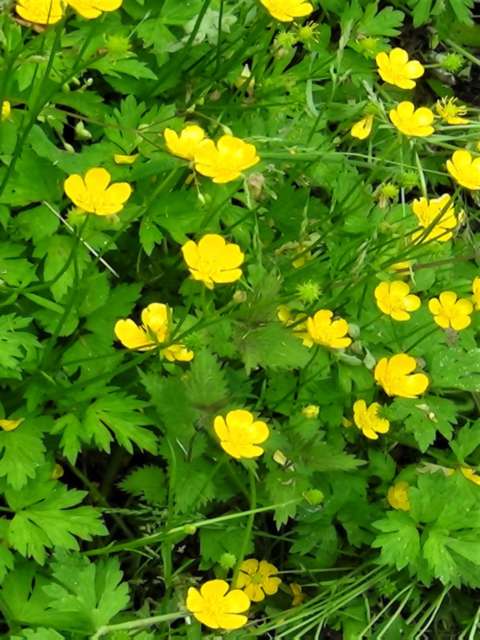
[308, 291]
[314, 497]
[452, 62]
[227, 561]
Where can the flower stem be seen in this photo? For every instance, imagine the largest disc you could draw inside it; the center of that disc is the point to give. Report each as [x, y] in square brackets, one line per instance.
[136, 624]
[249, 526]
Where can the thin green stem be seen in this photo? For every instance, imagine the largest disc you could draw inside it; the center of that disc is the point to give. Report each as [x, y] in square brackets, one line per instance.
[252, 482]
[137, 624]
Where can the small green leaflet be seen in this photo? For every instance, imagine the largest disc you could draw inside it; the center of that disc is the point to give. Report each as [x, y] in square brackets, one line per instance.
[95, 594]
[22, 451]
[424, 418]
[17, 347]
[113, 416]
[147, 482]
[399, 540]
[47, 516]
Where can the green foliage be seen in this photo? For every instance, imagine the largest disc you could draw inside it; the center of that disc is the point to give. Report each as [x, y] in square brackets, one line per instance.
[118, 488]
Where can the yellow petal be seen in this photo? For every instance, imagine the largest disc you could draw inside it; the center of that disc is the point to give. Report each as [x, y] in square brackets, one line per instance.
[10, 425]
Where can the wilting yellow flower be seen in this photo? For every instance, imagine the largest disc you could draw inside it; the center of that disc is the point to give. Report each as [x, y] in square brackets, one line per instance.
[401, 268]
[90, 9]
[395, 300]
[95, 194]
[451, 112]
[213, 260]
[471, 475]
[287, 10]
[155, 330]
[411, 121]
[6, 110]
[397, 496]
[258, 579]
[296, 321]
[40, 11]
[297, 593]
[438, 212]
[395, 68]
[311, 411]
[10, 425]
[121, 158]
[327, 332]
[363, 128]
[464, 169]
[396, 376]
[476, 292]
[451, 312]
[240, 434]
[57, 472]
[185, 144]
[217, 607]
[226, 160]
[368, 420]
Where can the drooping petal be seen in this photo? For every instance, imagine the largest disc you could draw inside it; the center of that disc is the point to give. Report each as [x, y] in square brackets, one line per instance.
[132, 336]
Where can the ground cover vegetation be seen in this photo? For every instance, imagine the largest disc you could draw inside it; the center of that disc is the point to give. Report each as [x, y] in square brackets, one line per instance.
[240, 295]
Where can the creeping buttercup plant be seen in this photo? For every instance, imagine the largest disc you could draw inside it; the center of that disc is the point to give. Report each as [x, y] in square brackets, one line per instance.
[240, 295]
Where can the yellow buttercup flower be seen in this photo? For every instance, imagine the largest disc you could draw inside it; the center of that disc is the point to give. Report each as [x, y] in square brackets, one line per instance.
[438, 212]
[366, 418]
[397, 496]
[121, 158]
[155, 330]
[297, 594]
[411, 121]
[396, 376]
[363, 128]
[476, 292]
[226, 160]
[396, 68]
[10, 425]
[327, 332]
[471, 475]
[6, 110]
[216, 607]
[90, 9]
[451, 312]
[311, 411]
[240, 434]
[258, 579]
[94, 193]
[213, 260]
[287, 10]
[395, 300]
[184, 145]
[451, 112]
[464, 169]
[40, 11]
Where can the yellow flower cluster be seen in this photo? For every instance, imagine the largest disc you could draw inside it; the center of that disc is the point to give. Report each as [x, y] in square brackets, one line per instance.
[222, 161]
[155, 330]
[449, 312]
[396, 68]
[218, 607]
[52, 11]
